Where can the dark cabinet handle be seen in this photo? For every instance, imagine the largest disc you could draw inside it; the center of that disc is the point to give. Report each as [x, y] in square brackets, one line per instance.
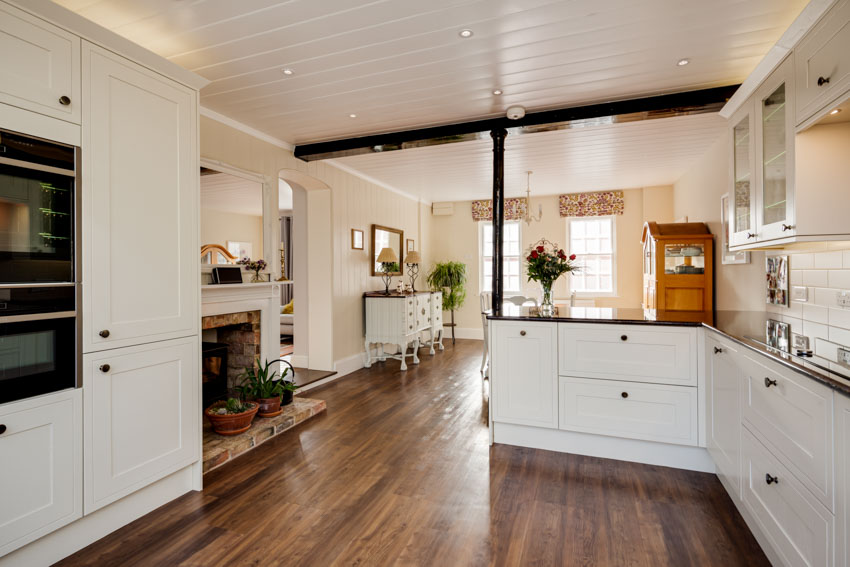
[625, 394]
[2, 429]
[64, 100]
[104, 333]
[624, 337]
[770, 479]
[104, 368]
[522, 333]
[768, 382]
[751, 235]
[823, 81]
[717, 350]
[786, 227]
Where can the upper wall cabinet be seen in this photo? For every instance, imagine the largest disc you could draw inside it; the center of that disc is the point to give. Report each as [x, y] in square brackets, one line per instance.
[140, 205]
[822, 62]
[39, 65]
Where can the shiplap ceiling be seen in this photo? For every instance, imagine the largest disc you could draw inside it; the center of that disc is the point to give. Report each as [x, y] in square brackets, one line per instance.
[231, 194]
[400, 64]
[614, 156]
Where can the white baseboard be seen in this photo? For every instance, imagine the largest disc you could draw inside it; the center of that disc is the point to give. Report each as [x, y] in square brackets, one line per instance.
[88, 529]
[634, 450]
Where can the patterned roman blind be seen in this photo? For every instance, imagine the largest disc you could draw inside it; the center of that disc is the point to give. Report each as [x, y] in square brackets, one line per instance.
[597, 204]
[515, 208]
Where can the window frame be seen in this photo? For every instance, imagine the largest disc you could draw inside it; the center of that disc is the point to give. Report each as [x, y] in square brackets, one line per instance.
[482, 255]
[614, 253]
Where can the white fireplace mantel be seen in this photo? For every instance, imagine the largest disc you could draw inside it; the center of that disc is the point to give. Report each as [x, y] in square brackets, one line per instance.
[236, 298]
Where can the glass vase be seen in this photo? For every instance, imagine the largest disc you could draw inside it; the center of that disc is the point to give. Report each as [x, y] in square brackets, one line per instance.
[256, 278]
[547, 308]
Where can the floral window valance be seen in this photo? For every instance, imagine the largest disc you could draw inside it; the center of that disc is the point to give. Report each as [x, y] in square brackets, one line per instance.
[597, 204]
[515, 209]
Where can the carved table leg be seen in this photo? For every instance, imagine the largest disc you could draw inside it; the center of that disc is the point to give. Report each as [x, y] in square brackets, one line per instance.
[368, 355]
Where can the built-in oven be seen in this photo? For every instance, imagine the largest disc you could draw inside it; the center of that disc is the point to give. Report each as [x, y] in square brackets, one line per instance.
[38, 190]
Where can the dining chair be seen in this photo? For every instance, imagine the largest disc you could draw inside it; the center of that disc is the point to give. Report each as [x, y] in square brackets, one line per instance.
[486, 300]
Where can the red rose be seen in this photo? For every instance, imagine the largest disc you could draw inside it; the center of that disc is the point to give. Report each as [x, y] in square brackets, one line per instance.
[572, 256]
[534, 254]
[540, 249]
[560, 253]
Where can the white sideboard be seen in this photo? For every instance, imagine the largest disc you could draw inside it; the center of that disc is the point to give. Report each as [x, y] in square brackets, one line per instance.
[400, 319]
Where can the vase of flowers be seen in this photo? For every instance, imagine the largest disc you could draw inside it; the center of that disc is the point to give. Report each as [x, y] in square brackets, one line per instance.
[545, 263]
[255, 266]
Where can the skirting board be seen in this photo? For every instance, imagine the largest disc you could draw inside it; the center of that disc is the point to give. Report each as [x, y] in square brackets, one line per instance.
[637, 451]
[88, 529]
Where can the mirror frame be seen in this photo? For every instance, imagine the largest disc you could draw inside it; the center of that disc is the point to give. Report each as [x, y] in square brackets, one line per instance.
[399, 252]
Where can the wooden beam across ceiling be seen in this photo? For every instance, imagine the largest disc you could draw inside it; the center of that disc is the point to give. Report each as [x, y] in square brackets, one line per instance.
[648, 108]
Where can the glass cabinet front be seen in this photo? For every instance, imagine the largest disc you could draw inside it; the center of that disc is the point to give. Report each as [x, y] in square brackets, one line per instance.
[774, 170]
[684, 258]
[741, 208]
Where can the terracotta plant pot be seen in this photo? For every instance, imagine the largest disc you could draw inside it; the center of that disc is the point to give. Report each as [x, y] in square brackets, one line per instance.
[269, 407]
[287, 397]
[232, 423]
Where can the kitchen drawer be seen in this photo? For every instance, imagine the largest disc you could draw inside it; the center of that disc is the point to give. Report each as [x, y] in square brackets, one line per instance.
[823, 54]
[628, 352]
[793, 415]
[800, 528]
[626, 409]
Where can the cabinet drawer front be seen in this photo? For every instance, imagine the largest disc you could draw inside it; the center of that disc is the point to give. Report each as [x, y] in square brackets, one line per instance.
[142, 417]
[823, 53]
[41, 471]
[628, 352]
[39, 64]
[524, 373]
[626, 409]
[794, 416]
[799, 527]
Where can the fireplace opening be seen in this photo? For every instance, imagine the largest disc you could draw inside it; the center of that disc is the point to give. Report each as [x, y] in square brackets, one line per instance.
[214, 364]
[231, 343]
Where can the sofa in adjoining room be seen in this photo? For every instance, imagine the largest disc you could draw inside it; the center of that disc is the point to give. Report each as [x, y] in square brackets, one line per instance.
[287, 321]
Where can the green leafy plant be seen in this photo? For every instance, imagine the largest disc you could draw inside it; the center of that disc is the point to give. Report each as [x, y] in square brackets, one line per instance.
[450, 278]
[231, 406]
[259, 381]
[390, 267]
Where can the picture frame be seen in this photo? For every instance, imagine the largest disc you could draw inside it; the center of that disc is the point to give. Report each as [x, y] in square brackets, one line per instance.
[776, 268]
[357, 239]
[240, 249]
[410, 245]
[727, 256]
[778, 335]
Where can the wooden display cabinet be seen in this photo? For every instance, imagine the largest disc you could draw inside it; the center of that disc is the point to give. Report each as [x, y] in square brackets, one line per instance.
[678, 272]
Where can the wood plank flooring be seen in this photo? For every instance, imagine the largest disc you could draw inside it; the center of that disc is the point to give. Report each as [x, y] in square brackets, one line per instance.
[398, 472]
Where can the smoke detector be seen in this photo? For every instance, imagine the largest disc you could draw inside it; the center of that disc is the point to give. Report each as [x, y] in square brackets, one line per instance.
[515, 112]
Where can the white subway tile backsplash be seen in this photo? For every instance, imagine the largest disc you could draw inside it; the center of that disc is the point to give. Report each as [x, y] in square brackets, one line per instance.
[839, 318]
[839, 336]
[846, 261]
[801, 261]
[816, 314]
[829, 260]
[816, 278]
[795, 322]
[826, 297]
[796, 277]
[826, 350]
[839, 279]
[815, 330]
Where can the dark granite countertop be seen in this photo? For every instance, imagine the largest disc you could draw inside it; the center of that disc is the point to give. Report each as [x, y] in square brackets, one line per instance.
[746, 328]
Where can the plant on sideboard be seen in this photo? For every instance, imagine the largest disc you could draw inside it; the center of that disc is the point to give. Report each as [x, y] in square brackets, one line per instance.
[450, 278]
[255, 266]
[545, 263]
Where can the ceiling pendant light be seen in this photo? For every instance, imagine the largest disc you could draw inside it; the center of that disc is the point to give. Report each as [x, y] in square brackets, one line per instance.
[529, 218]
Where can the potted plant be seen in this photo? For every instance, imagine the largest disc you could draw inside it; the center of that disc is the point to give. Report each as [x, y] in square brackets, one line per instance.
[545, 263]
[289, 388]
[231, 417]
[255, 266]
[258, 382]
[450, 278]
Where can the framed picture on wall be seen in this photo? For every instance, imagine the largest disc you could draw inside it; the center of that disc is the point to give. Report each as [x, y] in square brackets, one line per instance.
[777, 280]
[410, 245]
[726, 256]
[356, 239]
[240, 249]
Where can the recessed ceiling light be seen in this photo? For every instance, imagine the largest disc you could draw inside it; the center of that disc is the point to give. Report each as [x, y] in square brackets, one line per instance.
[497, 92]
[682, 62]
[287, 71]
[352, 115]
[465, 33]
[835, 111]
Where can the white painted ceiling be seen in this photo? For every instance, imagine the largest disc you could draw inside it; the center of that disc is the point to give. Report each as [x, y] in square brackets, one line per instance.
[400, 64]
[231, 194]
[614, 156]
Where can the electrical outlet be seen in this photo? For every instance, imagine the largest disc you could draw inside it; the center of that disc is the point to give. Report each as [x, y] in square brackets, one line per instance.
[799, 293]
[844, 298]
[844, 356]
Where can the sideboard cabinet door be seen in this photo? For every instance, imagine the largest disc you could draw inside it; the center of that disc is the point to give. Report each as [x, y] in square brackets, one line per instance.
[140, 205]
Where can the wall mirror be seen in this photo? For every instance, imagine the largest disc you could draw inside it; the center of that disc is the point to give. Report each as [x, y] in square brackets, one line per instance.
[384, 237]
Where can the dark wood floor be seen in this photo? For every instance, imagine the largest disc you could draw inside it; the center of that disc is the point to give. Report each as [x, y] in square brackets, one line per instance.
[398, 472]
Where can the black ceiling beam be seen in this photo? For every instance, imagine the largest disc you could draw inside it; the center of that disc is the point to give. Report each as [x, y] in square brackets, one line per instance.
[647, 108]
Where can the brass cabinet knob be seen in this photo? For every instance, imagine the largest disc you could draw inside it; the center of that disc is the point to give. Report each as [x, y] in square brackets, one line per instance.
[522, 333]
[625, 394]
[104, 333]
[104, 367]
[64, 100]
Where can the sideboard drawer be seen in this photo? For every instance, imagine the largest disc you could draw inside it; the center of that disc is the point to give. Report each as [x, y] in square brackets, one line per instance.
[652, 412]
[628, 352]
[800, 529]
[793, 414]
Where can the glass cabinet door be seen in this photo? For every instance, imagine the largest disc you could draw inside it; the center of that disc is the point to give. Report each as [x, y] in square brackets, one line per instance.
[742, 216]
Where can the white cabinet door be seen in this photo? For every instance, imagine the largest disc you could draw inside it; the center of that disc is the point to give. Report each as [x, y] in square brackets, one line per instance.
[524, 377]
[141, 276]
[39, 65]
[41, 467]
[723, 406]
[142, 417]
[744, 177]
[842, 480]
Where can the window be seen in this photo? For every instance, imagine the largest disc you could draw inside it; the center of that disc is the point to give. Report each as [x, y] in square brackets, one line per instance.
[511, 257]
[592, 241]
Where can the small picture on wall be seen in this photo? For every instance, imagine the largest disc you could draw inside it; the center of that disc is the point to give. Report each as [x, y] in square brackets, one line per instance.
[356, 239]
[777, 280]
[410, 245]
[240, 249]
[778, 335]
[727, 257]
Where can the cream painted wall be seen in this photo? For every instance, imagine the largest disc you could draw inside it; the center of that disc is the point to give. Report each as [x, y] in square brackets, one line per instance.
[457, 237]
[697, 195]
[218, 227]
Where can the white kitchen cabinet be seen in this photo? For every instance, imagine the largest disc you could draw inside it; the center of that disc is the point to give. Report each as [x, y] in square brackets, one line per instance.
[842, 480]
[39, 65]
[142, 417]
[822, 62]
[742, 165]
[724, 378]
[140, 205]
[41, 461]
[524, 372]
[641, 353]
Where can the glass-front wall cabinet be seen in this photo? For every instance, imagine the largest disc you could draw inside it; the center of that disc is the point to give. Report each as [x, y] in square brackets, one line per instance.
[742, 215]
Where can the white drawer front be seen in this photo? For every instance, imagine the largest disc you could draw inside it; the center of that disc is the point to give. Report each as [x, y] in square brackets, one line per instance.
[628, 352]
[626, 409]
[794, 415]
[799, 527]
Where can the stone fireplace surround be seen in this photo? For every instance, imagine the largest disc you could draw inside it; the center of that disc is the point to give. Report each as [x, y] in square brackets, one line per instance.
[241, 333]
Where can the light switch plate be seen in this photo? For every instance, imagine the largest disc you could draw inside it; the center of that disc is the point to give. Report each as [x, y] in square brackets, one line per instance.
[844, 298]
[799, 293]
